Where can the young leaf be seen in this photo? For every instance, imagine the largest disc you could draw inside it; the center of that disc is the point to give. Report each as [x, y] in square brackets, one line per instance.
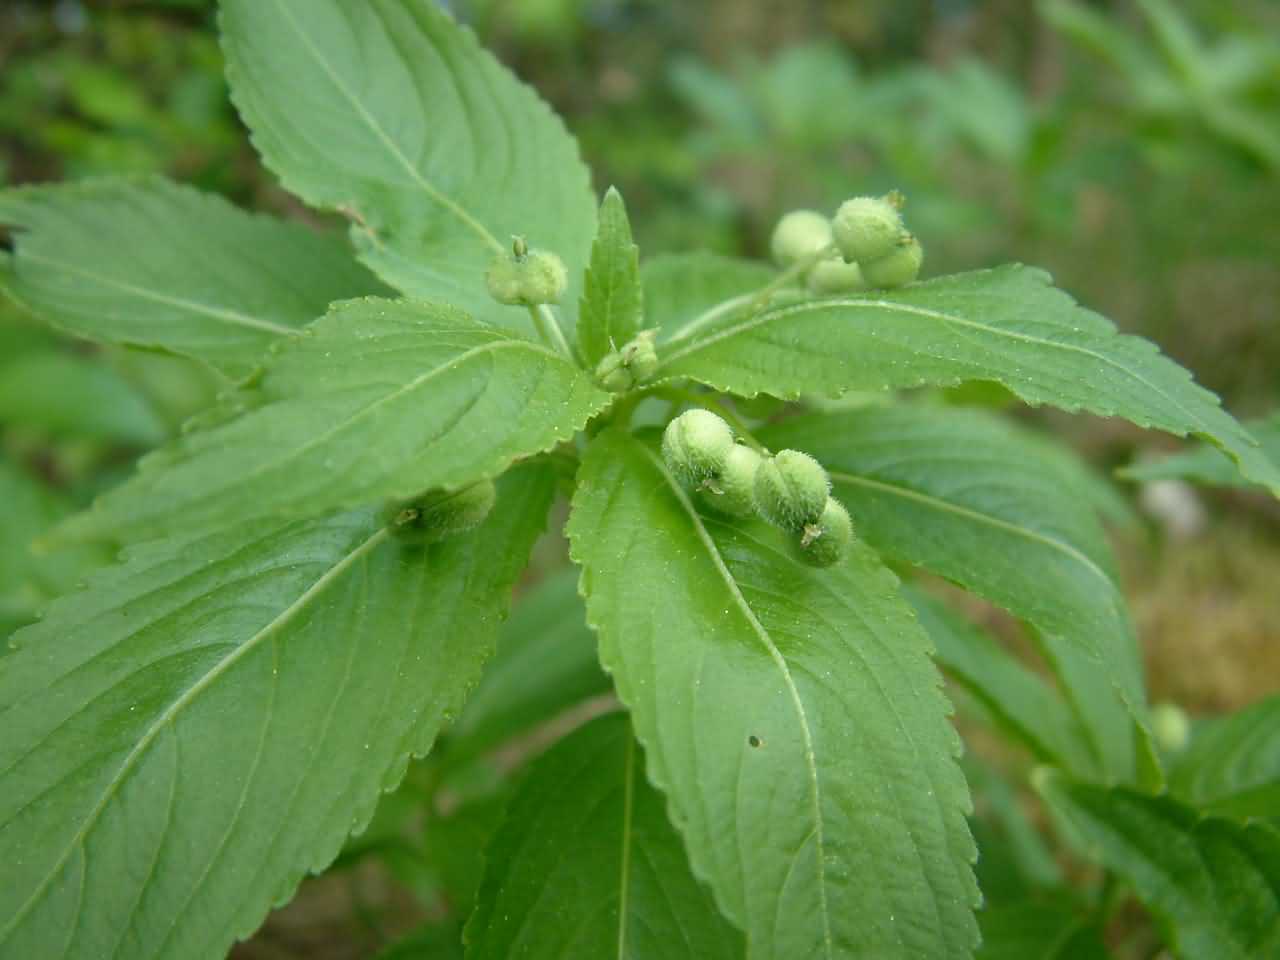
[612, 309]
[154, 264]
[1232, 767]
[1019, 700]
[965, 496]
[682, 287]
[546, 662]
[1213, 884]
[1206, 465]
[791, 715]
[587, 865]
[393, 114]
[1009, 325]
[379, 399]
[211, 718]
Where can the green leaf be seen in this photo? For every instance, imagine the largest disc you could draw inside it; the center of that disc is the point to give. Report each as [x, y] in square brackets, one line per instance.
[791, 715]
[546, 662]
[966, 496]
[1034, 930]
[154, 264]
[211, 718]
[1009, 325]
[1020, 701]
[380, 399]
[393, 114]
[1214, 884]
[612, 306]
[681, 287]
[1232, 767]
[587, 865]
[1205, 464]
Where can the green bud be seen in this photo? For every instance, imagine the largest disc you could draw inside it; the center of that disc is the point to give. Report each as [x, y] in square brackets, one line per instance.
[439, 514]
[791, 489]
[836, 276]
[827, 541]
[732, 491]
[868, 228]
[635, 363]
[612, 373]
[503, 279]
[696, 446]
[1171, 727]
[799, 234]
[526, 277]
[898, 268]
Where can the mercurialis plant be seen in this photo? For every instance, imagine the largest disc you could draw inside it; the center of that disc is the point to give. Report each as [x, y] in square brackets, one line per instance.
[767, 476]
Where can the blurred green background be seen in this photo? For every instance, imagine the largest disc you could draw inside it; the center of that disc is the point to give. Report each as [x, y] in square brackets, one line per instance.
[1132, 147]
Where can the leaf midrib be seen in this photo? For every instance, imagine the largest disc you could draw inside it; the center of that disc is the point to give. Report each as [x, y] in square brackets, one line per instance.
[161, 722]
[780, 662]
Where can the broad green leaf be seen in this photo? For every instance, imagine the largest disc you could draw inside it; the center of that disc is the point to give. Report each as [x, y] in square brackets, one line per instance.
[393, 114]
[1213, 884]
[792, 717]
[1020, 701]
[379, 399]
[1010, 325]
[546, 662]
[1206, 464]
[966, 496]
[612, 310]
[210, 719]
[155, 264]
[682, 287]
[587, 865]
[1232, 767]
[1036, 930]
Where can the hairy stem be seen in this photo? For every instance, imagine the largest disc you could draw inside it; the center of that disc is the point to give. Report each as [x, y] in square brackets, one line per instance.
[548, 327]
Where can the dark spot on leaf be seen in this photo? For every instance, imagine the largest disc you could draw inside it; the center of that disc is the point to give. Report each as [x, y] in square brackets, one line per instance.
[754, 740]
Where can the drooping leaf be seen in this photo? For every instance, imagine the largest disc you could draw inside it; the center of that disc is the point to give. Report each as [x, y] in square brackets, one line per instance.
[212, 717]
[791, 716]
[155, 264]
[1021, 702]
[392, 113]
[587, 865]
[1213, 884]
[546, 662]
[1038, 930]
[379, 399]
[962, 494]
[612, 306]
[679, 288]
[1232, 767]
[1009, 325]
[1208, 465]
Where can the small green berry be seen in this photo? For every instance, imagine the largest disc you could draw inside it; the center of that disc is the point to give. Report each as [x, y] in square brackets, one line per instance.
[898, 268]
[867, 228]
[733, 490]
[791, 489]
[696, 446]
[527, 277]
[439, 514]
[827, 541]
[836, 276]
[1171, 727]
[635, 363]
[799, 234]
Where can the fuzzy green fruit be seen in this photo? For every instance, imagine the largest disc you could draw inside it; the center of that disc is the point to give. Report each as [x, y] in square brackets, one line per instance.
[527, 277]
[867, 228]
[791, 489]
[733, 490]
[439, 514]
[898, 268]
[799, 234]
[835, 276]
[635, 363]
[696, 446]
[827, 541]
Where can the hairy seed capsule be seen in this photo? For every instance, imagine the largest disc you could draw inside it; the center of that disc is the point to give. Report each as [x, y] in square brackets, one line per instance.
[898, 268]
[867, 228]
[733, 490]
[635, 363]
[696, 445]
[791, 489]
[836, 276]
[827, 541]
[799, 234]
[527, 277]
[439, 514]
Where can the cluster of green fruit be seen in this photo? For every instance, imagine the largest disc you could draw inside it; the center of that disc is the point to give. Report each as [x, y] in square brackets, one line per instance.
[789, 489]
[865, 246]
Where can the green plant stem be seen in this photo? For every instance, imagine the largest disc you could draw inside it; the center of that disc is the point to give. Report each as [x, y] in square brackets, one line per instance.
[548, 327]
